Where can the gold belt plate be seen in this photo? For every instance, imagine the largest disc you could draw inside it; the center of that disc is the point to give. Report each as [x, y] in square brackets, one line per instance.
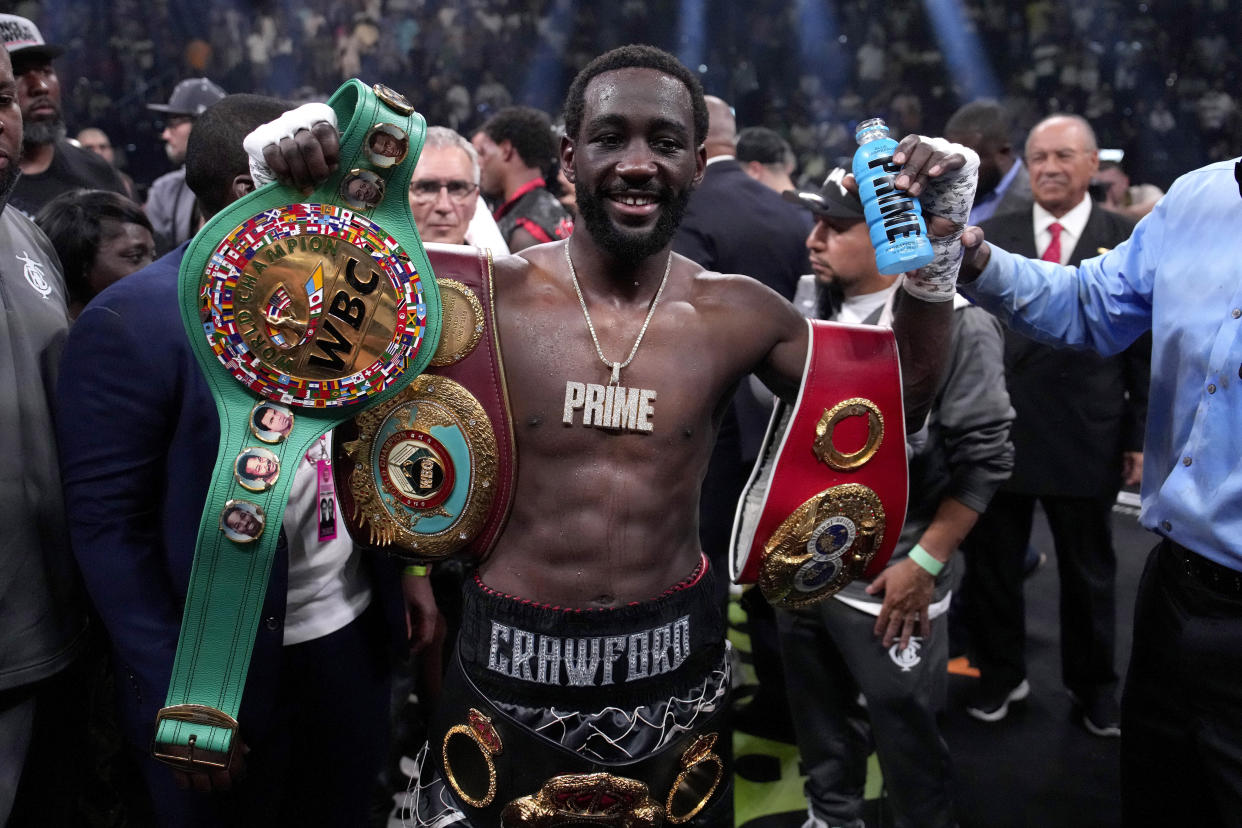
[826, 543]
[312, 305]
[425, 466]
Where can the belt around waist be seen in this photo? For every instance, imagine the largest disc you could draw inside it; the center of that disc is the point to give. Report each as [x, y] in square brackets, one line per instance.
[1215, 576]
[525, 653]
[501, 772]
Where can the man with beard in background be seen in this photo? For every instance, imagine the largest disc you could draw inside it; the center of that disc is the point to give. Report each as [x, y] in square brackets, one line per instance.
[171, 205]
[50, 165]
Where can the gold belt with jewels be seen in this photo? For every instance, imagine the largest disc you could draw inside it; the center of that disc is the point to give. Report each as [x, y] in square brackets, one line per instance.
[827, 498]
[502, 773]
[430, 472]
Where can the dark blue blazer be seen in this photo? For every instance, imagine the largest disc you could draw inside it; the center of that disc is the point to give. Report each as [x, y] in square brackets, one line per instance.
[138, 435]
[734, 224]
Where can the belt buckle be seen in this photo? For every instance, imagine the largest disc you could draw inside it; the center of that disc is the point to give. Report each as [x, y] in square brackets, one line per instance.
[192, 760]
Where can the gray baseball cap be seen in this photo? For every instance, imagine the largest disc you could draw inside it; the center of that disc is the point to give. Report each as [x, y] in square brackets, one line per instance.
[832, 200]
[190, 97]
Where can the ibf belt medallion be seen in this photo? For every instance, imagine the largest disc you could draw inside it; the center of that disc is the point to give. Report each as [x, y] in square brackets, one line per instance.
[826, 543]
[586, 799]
[312, 305]
[825, 448]
[424, 469]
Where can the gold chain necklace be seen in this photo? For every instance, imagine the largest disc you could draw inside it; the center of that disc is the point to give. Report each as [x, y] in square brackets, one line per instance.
[617, 366]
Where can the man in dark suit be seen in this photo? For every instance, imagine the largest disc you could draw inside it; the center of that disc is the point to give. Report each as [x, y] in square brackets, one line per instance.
[1004, 186]
[1078, 435]
[138, 435]
[734, 224]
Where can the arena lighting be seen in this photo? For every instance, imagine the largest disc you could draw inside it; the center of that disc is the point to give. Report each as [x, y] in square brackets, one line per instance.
[959, 43]
[821, 52]
[692, 32]
[545, 83]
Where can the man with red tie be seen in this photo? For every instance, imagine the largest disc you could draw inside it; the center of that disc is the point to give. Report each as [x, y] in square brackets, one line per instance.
[1078, 437]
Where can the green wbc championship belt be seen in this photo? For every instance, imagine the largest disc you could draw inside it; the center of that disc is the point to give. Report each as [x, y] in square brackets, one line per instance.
[302, 311]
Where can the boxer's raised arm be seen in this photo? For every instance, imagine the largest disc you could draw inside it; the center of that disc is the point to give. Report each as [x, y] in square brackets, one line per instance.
[943, 176]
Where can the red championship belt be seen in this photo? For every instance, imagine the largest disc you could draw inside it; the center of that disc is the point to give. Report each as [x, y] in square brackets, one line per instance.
[827, 498]
[430, 473]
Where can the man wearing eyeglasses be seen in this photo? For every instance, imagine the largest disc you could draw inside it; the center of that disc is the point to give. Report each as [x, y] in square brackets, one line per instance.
[171, 205]
[444, 194]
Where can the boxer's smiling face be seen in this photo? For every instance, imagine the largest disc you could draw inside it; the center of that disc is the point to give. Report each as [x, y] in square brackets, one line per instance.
[634, 161]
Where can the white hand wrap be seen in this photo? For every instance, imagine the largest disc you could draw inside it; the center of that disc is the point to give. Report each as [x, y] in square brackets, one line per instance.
[286, 126]
[951, 196]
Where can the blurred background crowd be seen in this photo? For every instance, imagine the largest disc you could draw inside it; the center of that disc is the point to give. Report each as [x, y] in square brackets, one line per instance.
[1157, 80]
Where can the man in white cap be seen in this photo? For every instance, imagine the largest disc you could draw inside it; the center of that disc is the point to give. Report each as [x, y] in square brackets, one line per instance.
[50, 165]
[170, 204]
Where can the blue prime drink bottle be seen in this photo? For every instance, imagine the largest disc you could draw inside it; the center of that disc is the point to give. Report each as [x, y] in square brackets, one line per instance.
[898, 232]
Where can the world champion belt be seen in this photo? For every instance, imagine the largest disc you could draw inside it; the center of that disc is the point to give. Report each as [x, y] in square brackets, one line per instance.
[429, 473]
[827, 498]
[301, 311]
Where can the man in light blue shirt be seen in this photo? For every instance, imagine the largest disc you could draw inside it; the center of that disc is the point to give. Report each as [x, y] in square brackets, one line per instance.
[1179, 276]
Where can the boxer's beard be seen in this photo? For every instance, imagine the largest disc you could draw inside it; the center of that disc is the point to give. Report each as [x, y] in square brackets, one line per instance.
[43, 132]
[632, 245]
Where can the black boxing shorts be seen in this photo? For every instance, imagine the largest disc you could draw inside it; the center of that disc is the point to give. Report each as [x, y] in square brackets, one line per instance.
[610, 715]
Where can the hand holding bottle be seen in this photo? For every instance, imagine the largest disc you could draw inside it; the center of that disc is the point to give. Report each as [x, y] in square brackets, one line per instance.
[943, 176]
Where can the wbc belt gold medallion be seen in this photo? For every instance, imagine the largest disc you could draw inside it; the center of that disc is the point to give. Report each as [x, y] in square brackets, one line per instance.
[826, 543]
[425, 468]
[312, 305]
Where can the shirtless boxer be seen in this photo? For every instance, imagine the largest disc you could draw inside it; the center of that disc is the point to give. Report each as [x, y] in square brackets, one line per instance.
[592, 623]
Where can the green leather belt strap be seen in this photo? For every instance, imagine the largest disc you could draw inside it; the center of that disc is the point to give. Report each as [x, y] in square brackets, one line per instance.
[301, 311]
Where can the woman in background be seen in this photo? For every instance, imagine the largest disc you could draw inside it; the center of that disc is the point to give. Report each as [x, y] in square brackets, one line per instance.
[100, 237]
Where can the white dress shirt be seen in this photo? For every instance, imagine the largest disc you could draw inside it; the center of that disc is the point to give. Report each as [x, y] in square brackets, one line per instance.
[1072, 224]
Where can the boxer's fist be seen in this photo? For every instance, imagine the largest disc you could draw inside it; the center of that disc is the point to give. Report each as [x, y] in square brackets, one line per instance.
[300, 148]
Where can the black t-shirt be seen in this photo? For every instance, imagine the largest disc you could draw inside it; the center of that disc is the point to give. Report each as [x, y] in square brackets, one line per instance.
[72, 168]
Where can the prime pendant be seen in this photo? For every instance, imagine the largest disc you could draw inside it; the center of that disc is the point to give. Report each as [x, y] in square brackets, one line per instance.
[610, 406]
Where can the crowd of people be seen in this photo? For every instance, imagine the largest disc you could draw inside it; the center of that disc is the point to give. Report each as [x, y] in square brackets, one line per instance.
[99, 242]
[1157, 81]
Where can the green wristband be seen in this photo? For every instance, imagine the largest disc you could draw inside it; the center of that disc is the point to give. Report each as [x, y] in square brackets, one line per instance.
[924, 559]
[417, 569]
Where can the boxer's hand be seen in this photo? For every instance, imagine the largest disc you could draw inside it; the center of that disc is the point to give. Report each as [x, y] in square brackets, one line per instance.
[943, 176]
[301, 148]
[923, 159]
[215, 780]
